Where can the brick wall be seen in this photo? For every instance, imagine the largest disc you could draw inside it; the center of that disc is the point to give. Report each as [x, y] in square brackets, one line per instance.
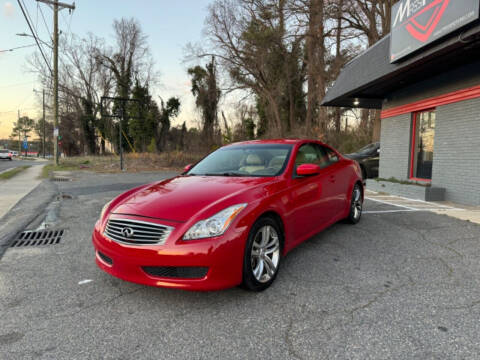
[456, 156]
[456, 161]
[395, 147]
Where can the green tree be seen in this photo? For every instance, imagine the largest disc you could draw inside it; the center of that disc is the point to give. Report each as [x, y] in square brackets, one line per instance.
[39, 130]
[23, 127]
[168, 111]
[207, 96]
[142, 122]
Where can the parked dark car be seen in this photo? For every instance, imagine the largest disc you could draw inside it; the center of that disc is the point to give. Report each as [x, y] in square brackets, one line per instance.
[368, 157]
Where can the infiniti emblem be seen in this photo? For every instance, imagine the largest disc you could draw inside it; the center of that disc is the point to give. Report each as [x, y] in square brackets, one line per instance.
[127, 232]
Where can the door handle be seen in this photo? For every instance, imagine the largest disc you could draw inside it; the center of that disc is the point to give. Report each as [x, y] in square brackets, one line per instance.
[332, 178]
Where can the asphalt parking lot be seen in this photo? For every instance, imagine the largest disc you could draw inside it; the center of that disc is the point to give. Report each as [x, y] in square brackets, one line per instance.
[399, 285]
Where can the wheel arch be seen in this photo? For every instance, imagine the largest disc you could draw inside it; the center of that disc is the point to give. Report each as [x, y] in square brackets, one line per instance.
[278, 219]
[364, 171]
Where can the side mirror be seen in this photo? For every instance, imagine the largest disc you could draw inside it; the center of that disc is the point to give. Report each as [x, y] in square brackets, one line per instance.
[308, 170]
[187, 168]
[378, 151]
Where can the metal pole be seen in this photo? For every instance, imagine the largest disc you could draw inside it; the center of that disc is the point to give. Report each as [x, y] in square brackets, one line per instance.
[19, 136]
[55, 79]
[24, 137]
[44, 127]
[120, 136]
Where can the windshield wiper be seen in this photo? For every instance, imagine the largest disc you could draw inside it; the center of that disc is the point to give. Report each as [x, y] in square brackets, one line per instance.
[225, 174]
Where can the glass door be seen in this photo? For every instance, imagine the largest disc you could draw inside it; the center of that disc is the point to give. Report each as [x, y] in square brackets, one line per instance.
[423, 130]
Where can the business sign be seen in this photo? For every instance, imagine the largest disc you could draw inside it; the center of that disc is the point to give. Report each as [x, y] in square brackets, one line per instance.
[417, 23]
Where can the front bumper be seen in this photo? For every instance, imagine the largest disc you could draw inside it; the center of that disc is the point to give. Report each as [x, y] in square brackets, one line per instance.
[223, 256]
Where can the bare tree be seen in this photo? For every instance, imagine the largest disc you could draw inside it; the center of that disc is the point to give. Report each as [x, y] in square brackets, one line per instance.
[372, 19]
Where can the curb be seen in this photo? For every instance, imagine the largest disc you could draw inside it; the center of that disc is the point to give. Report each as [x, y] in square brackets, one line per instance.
[24, 212]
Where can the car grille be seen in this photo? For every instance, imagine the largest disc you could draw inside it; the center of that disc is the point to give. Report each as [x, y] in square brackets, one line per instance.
[185, 272]
[135, 232]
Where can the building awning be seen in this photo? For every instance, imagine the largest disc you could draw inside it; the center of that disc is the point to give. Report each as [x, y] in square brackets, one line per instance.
[367, 80]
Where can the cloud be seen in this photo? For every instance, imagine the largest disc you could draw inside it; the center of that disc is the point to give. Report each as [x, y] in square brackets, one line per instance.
[9, 9]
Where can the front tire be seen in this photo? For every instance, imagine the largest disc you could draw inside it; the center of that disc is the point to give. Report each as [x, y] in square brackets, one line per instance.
[262, 254]
[356, 205]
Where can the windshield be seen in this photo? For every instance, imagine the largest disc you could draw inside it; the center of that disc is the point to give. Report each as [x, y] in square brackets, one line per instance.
[245, 160]
[370, 148]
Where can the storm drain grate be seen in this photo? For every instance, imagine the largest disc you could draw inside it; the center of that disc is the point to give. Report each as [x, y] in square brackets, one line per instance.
[38, 238]
[60, 179]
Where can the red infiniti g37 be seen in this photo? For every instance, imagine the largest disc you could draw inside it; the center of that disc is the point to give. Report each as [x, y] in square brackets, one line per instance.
[229, 219]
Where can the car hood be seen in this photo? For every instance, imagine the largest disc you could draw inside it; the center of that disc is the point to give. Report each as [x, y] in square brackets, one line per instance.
[182, 197]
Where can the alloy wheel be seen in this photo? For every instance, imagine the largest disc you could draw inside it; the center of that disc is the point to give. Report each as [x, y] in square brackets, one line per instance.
[265, 254]
[357, 202]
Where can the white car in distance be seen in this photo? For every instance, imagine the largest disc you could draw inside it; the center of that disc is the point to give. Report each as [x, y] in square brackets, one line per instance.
[6, 154]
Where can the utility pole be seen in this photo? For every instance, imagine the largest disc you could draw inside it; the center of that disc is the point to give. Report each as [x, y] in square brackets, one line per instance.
[56, 7]
[55, 81]
[44, 127]
[19, 136]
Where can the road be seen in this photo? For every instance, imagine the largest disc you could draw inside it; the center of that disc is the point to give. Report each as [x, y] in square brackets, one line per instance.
[399, 285]
[7, 164]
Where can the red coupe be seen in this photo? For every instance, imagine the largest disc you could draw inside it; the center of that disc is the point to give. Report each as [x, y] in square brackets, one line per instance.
[229, 219]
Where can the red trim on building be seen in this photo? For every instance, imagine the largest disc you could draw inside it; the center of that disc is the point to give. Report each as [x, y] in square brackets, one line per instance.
[450, 98]
[412, 149]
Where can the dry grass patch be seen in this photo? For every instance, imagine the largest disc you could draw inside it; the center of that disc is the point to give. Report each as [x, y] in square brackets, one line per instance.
[11, 173]
[136, 162]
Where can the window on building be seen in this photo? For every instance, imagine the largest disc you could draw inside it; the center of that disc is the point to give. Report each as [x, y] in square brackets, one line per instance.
[423, 135]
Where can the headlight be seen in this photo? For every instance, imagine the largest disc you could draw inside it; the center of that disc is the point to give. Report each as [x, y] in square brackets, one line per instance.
[104, 209]
[215, 225]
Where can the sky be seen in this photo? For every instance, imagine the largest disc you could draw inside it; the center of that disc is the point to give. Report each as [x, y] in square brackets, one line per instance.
[169, 25]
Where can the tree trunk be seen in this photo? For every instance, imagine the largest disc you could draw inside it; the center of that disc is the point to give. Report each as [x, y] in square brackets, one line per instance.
[377, 124]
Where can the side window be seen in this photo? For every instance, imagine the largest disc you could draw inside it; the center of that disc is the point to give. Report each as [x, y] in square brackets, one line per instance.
[307, 154]
[329, 157]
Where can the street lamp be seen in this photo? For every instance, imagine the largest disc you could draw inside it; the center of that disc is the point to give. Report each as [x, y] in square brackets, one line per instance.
[28, 35]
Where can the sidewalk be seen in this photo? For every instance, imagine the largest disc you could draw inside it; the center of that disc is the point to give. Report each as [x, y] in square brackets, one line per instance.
[471, 214]
[462, 212]
[15, 188]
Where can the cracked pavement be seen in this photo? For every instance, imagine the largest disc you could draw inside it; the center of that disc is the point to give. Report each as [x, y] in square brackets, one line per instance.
[401, 285]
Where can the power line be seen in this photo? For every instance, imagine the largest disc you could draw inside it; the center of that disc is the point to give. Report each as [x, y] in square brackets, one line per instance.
[45, 22]
[18, 47]
[68, 23]
[17, 84]
[36, 38]
[29, 18]
[24, 109]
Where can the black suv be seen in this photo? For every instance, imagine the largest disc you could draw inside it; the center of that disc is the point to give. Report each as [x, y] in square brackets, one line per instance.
[368, 157]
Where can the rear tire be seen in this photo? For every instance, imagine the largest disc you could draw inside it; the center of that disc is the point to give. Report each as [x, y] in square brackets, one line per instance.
[261, 260]
[356, 205]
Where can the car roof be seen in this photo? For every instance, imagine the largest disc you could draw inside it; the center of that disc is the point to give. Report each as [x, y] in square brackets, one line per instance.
[275, 141]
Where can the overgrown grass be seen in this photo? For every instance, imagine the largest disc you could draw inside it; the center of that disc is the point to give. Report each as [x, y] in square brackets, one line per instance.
[133, 162]
[11, 173]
